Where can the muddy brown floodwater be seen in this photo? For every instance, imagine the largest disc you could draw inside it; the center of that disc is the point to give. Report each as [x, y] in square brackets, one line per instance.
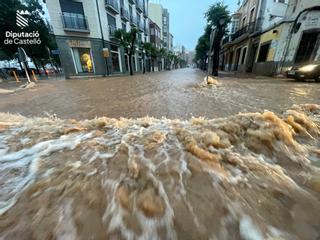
[249, 176]
[173, 94]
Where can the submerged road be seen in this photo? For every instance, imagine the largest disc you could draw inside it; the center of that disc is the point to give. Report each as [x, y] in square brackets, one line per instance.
[171, 94]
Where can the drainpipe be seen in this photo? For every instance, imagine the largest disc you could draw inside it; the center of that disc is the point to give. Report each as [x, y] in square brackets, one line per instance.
[102, 36]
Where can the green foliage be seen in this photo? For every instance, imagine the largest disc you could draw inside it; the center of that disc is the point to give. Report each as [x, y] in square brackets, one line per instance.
[128, 41]
[36, 22]
[216, 12]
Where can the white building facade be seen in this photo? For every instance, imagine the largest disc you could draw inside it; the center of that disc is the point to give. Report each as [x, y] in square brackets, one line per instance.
[84, 28]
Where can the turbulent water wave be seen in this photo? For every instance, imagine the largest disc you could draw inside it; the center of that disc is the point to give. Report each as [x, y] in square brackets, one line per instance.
[249, 176]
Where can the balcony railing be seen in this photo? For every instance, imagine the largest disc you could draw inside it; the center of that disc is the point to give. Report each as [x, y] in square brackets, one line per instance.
[74, 22]
[124, 14]
[226, 40]
[133, 20]
[112, 5]
[112, 29]
[139, 5]
[249, 28]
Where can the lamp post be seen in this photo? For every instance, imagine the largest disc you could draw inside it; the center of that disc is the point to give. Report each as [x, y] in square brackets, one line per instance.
[217, 36]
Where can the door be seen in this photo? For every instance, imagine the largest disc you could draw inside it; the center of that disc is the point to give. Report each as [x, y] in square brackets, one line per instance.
[308, 46]
[252, 57]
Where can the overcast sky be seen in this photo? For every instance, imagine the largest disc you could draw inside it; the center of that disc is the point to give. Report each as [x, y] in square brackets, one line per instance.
[187, 18]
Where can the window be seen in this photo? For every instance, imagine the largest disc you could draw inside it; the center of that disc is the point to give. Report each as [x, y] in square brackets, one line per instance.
[115, 59]
[83, 60]
[244, 52]
[111, 20]
[252, 15]
[263, 54]
[244, 21]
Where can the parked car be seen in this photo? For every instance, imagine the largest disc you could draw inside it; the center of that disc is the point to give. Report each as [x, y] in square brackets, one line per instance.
[306, 71]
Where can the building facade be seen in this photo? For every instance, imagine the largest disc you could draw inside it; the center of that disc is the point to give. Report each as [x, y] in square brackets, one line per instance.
[252, 41]
[161, 17]
[300, 40]
[155, 35]
[283, 33]
[84, 28]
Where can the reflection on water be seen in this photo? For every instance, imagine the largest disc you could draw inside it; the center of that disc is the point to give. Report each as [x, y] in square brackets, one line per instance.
[250, 176]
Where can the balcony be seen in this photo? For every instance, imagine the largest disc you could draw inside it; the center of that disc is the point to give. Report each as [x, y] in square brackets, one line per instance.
[124, 14]
[141, 26]
[132, 1]
[133, 20]
[74, 22]
[249, 28]
[226, 40]
[112, 5]
[139, 5]
[112, 29]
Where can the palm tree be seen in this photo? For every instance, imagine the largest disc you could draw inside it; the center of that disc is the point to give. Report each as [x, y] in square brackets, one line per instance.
[128, 41]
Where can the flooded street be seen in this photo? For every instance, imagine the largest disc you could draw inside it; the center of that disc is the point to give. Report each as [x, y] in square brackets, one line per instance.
[196, 168]
[173, 94]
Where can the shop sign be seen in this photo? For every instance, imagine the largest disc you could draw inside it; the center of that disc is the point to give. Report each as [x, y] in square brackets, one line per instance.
[79, 44]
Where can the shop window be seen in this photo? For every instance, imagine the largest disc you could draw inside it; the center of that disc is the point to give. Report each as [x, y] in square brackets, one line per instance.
[263, 54]
[115, 59]
[83, 60]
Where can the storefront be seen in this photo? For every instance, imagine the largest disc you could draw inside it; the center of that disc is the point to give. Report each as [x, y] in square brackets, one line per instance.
[82, 56]
[115, 58]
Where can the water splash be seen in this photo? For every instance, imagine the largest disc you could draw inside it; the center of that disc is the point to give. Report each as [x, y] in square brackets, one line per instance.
[249, 176]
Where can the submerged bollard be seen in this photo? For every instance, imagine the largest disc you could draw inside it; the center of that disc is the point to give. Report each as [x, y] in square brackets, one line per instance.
[34, 76]
[16, 77]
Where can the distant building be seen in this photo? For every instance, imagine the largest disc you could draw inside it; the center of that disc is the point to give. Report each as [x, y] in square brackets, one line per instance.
[161, 17]
[81, 34]
[155, 34]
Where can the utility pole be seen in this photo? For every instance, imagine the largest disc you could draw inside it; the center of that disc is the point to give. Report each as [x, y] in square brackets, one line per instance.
[102, 36]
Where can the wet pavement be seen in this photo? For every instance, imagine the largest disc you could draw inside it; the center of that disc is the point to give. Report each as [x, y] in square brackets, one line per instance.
[172, 94]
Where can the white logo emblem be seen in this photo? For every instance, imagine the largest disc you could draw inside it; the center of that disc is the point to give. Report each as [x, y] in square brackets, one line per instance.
[22, 22]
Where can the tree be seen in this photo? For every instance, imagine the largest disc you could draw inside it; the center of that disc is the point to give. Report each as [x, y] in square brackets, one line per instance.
[8, 11]
[128, 41]
[216, 12]
[163, 54]
[202, 48]
[36, 23]
[218, 17]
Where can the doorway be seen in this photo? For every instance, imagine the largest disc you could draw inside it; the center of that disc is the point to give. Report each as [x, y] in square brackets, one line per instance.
[252, 57]
[308, 47]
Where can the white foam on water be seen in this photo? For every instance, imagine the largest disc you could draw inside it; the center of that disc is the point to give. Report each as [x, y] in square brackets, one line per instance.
[26, 161]
[248, 230]
[65, 229]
